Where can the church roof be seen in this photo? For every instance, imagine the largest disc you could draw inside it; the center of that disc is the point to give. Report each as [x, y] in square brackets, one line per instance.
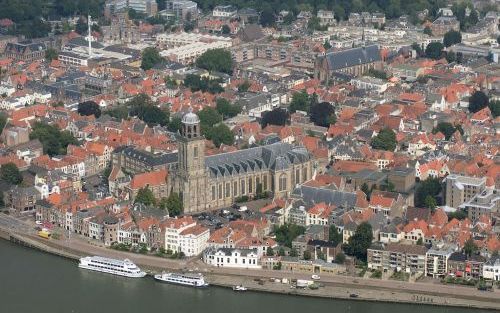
[278, 156]
[347, 58]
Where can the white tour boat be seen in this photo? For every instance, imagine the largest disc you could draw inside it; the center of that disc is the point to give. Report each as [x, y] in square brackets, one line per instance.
[192, 280]
[117, 267]
[240, 288]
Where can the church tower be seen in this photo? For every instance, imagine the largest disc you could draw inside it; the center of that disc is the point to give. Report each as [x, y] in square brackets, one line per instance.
[191, 174]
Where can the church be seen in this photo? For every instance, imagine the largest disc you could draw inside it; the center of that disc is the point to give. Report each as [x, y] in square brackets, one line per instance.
[211, 182]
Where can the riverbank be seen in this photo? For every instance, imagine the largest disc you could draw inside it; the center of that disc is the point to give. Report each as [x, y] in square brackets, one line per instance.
[337, 287]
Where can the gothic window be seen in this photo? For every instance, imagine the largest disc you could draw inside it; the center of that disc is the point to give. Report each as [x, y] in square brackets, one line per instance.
[235, 189]
[228, 190]
[220, 191]
[195, 152]
[242, 184]
[250, 185]
[282, 182]
[304, 174]
[297, 176]
[264, 180]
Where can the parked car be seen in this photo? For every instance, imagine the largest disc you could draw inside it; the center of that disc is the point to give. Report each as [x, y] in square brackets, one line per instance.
[315, 277]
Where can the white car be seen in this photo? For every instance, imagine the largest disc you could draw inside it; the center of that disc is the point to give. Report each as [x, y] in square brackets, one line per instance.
[315, 277]
[38, 222]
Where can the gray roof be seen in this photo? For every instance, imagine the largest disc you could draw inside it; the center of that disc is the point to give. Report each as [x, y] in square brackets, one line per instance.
[148, 157]
[277, 157]
[312, 195]
[341, 59]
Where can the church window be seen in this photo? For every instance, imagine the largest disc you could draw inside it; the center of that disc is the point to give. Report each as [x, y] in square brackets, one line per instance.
[304, 174]
[250, 185]
[264, 180]
[220, 191]
[228, 190]
[242, 184]
[297, 176]
[282, 182]
[195, 152]
[235, 189]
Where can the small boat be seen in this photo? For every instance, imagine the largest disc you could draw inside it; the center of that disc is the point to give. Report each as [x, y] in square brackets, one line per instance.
[353, 295]
[240, 288]
[187, 279]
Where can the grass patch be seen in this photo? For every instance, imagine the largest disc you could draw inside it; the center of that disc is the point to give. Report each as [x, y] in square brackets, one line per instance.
[376, 274]
[403, 276]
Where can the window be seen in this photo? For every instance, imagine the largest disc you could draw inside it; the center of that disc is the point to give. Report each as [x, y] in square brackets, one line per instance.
[220, 191]
[242, 184]
[228, 190]
[297, 176]
[304, 174]
[282, 182]
[235, 188]
[195, 152]
[264, 180]
[250, 185]
[213, 193]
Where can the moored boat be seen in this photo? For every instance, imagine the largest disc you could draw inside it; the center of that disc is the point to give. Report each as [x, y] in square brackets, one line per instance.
[240, 288]
[191, 280]
[124, 268]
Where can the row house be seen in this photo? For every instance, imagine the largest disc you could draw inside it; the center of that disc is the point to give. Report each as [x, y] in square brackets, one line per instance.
[231, 257]
[397, 257]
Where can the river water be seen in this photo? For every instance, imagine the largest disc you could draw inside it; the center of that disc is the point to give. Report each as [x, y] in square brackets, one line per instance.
[32, 281]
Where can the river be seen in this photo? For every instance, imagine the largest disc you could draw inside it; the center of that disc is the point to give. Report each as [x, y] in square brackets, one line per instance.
[32, 281]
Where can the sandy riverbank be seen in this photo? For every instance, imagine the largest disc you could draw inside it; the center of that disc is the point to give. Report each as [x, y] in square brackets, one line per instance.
[339, 287]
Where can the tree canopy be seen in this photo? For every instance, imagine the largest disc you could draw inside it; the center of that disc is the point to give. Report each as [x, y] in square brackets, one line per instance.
[226, 109]
[220, 134]
[10, 173]
[174, 204]
[54, 141]
[145, 196]
[494, 108]
[205, 84]
[478, 101]
[429, 187]
[385, 140]
[434, 50]
[452, 37]
[300, 102]
[209, 117]
[147, 110]
[447, 129]
[277, 117]
[334, 236]
[322, 114]
[89, 108]
[359, 243]
[218, 60]
[51, 54]
[150, 57]
[286, 233]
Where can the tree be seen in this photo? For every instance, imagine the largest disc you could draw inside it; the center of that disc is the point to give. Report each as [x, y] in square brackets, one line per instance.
[430, 202]
[209, 117]
[286, 233]
[428, 31]
[275, 117]
[451, 57]
[174, 204]
[366, 190]
[434, 50]
[293, 253]
[270, 251]
[225, 29]
[307, 255]
[385, 140]
[145, 196]
[51, 54]
[420, 241]
[494, 108]
[53, 140]
[196, 83]
[458, 214]
[243, 87]
[377, 73]
[267, 17]
[89, 108]
[478, 101]
[175, 124]
[470, 247]
[359, 243]
[300, 102]
[327, 45]
[81, 27]
[150, 57]
[226, 109]
[220, 134]
[334, 236]
[452, 37]
[3, 121]
[218, 60]
[321, 114]
[10, 173]
[340, 258]
[147, 110]
[446, 128]
[415, 46]
[429, 187]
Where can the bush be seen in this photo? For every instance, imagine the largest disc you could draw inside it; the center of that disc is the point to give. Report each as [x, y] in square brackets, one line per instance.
[376, 274]
[241, 199]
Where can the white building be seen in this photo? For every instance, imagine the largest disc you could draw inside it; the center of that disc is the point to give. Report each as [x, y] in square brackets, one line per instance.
[193, 240]
[370, 83]
[173, 229]
[491, 269]
[235, 258]
[436, 262]
[224, 11]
